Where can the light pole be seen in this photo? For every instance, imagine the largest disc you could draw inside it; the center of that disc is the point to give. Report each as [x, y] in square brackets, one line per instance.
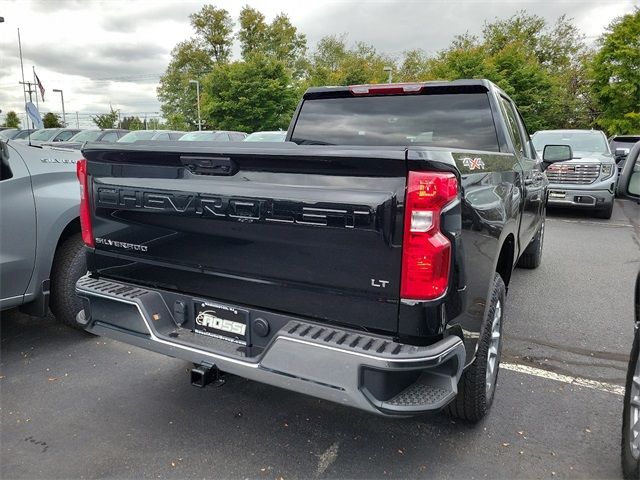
[64, 115]
[198, 100]
[388, 70]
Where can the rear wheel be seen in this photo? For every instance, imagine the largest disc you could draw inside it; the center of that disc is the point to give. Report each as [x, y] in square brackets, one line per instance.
[477, 386]
[69, 264]
[631, 417]
[605, 213]
[532, 255]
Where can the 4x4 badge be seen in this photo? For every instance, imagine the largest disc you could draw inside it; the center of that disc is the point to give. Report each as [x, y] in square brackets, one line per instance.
[473, 163]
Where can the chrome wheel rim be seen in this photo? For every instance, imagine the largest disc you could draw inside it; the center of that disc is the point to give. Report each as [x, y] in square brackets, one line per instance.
[494, 349]
[634, 413]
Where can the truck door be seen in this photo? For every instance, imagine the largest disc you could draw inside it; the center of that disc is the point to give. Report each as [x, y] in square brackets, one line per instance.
[532, 176]
[17, 228]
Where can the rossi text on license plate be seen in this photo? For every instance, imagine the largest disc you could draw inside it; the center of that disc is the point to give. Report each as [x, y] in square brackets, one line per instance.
[221, 321]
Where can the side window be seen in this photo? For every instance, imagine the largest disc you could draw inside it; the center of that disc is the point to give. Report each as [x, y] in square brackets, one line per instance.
[513, 126]
[110, 137]
[221, 137]
[162, 136]
[64, 136]
[530, 151]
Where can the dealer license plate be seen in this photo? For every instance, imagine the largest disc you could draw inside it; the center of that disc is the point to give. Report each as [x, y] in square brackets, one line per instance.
[221, 321]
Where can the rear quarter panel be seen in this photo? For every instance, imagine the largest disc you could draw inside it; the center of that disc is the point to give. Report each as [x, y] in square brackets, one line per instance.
[487, 215]
[57, 200]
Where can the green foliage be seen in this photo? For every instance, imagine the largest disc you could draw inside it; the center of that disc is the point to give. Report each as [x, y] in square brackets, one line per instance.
[256, 94]
[178, 97]
[131, 123]
[546, 68]
[214, 32]
[616, 76]
[11, 120]
[334, 63]
[253, 31]
[279, 39]
[51, 120]
[106, 120]
[155, 124]
[191, 60]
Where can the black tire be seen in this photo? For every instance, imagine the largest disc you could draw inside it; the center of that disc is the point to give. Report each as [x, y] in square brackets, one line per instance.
[630, 466]
[474, 398]
[532, 255]
[69, 264]
[606, 213]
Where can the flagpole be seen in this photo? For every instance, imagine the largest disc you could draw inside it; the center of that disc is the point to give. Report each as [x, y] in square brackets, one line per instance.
[23, 82]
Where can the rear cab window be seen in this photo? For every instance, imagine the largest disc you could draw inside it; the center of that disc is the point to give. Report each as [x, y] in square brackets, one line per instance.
[454, 120]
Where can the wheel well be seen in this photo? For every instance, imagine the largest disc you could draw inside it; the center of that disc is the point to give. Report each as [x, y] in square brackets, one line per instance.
[505, 259]
[71, 229]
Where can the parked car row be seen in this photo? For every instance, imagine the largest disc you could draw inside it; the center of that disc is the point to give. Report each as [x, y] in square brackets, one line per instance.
[75, 138]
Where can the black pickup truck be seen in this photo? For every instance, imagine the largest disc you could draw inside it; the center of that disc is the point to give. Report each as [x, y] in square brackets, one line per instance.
[364, 261]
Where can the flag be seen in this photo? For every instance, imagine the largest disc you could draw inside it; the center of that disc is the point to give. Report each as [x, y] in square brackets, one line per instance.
[34, 115]
[40, 86]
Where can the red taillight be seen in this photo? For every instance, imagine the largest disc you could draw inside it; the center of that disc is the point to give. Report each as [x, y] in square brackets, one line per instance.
[85, 210]
[386, 89]
[426, 252]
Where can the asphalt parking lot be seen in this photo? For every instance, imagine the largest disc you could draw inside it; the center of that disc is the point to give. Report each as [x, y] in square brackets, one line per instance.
[78, 406]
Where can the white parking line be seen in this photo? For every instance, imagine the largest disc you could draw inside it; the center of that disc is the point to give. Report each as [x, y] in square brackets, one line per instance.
[577, 381]
[590, 222]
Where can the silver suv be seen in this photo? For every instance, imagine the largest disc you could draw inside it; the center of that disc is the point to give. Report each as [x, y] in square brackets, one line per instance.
[588, 180]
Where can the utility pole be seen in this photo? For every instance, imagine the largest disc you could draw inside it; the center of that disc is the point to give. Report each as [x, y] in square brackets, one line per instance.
[77, 121]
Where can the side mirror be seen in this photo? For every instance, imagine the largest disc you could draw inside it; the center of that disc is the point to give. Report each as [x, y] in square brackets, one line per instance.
[621, 153]
[629, 181]
[555, 153]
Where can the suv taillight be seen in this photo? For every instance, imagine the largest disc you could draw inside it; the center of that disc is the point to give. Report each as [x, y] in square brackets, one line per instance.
[426, 252]
[85, 210]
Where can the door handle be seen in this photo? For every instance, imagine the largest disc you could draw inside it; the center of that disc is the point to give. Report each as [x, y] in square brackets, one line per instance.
[209, 165]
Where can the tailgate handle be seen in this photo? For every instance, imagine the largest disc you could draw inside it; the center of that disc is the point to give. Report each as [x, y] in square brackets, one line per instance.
[209, 165]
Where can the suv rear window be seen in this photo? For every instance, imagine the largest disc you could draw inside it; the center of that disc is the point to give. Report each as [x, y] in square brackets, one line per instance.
[462, 120]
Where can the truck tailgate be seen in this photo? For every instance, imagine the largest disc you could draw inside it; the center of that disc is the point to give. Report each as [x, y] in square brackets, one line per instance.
[311, 231]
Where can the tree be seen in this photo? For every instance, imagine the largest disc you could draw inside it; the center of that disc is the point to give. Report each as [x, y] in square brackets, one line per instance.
[413, 67]
[333, 63]
[51, 120]
[214, 32]
[106, 120]
[178, 97]
[191, 60]
[279, 39]
[251, 95]
[616, 75]
[253, 31]
[11, 120]
[286, 44]
[131, 123]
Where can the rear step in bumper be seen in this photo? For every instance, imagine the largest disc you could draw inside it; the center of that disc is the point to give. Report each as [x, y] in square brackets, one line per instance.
[364, 371]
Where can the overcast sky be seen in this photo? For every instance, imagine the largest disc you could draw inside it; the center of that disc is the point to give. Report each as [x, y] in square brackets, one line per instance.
[113, 52]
